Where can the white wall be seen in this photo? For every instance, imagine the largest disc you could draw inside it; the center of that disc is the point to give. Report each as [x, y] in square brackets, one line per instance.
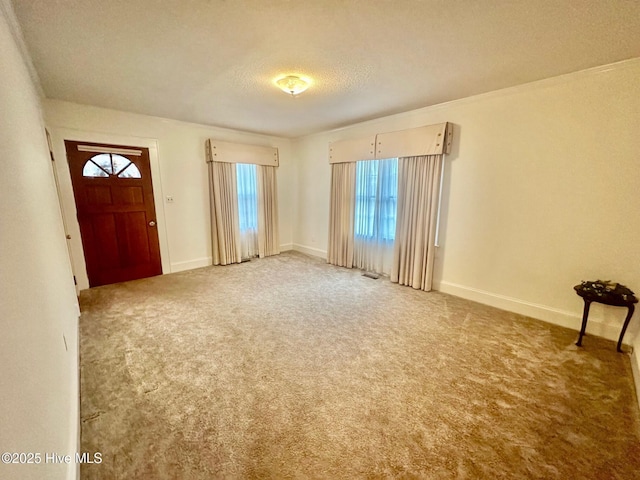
[38, 306]
[541, 192]
[178, 169]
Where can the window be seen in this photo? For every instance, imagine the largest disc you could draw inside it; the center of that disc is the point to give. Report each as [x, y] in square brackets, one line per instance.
[247, 196]
[376, 199]
[246, 177]
[109, 164]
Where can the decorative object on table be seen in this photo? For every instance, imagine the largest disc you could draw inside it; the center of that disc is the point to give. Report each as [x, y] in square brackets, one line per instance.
[607, 293]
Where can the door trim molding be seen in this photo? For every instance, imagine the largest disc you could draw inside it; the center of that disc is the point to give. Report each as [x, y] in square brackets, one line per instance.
[58, 136]
[122, 151]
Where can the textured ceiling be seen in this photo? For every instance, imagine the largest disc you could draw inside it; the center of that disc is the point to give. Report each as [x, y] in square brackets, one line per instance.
[213, 61]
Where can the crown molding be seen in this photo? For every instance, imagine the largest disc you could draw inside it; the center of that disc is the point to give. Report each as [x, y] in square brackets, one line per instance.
[516, 89]
[535, 85]
[249, 136]
[9, 14]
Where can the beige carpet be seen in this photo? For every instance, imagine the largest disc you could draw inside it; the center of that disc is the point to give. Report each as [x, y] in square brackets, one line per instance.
[287, 367]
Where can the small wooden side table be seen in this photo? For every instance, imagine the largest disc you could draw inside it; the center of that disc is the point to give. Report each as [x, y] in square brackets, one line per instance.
[609, 294]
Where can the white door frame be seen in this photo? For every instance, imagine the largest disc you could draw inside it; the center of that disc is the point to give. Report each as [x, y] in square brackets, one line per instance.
[58, 136]
[63, 215]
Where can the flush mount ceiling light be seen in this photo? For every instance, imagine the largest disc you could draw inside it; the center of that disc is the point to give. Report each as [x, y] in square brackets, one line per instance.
[293, 84]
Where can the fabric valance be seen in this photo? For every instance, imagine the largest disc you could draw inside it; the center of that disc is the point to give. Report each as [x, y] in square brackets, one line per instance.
[353, 150]
[228, 152]
[426, 140]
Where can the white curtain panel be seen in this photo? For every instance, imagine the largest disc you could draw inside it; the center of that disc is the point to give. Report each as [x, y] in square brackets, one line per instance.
[375, 214]
[268, 236]
[341, 214]
[418, 191]
[225, 229]
[247, 209]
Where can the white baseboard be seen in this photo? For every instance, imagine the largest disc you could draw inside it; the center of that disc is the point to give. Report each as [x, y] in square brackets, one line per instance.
[74, 470]
[207, 261]
[314, 252]
[595, 326]
[635, 368]
[191, 264]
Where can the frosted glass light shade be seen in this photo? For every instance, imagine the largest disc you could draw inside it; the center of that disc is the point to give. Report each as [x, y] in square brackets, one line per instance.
[292, 84]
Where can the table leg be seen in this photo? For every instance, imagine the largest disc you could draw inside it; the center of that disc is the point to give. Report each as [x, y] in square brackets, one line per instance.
[585, 315]
[624, 327]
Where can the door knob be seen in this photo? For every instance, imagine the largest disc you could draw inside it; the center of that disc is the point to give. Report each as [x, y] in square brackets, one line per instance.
[152, 223]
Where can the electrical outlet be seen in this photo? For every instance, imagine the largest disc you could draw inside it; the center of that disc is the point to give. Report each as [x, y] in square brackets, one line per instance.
[169, 198]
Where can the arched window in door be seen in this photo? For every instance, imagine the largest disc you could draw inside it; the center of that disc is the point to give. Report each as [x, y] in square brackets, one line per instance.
[110, 164]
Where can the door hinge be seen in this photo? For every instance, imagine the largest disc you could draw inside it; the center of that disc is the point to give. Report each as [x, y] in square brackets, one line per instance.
[75, 282]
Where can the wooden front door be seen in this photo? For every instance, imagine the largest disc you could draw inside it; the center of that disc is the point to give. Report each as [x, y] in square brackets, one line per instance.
[114, 199]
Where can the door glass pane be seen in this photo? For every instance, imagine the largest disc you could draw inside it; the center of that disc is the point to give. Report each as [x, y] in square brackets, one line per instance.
[103, 160]
[92, 170]
[105, 164]
[119, 163]
[130, 171]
